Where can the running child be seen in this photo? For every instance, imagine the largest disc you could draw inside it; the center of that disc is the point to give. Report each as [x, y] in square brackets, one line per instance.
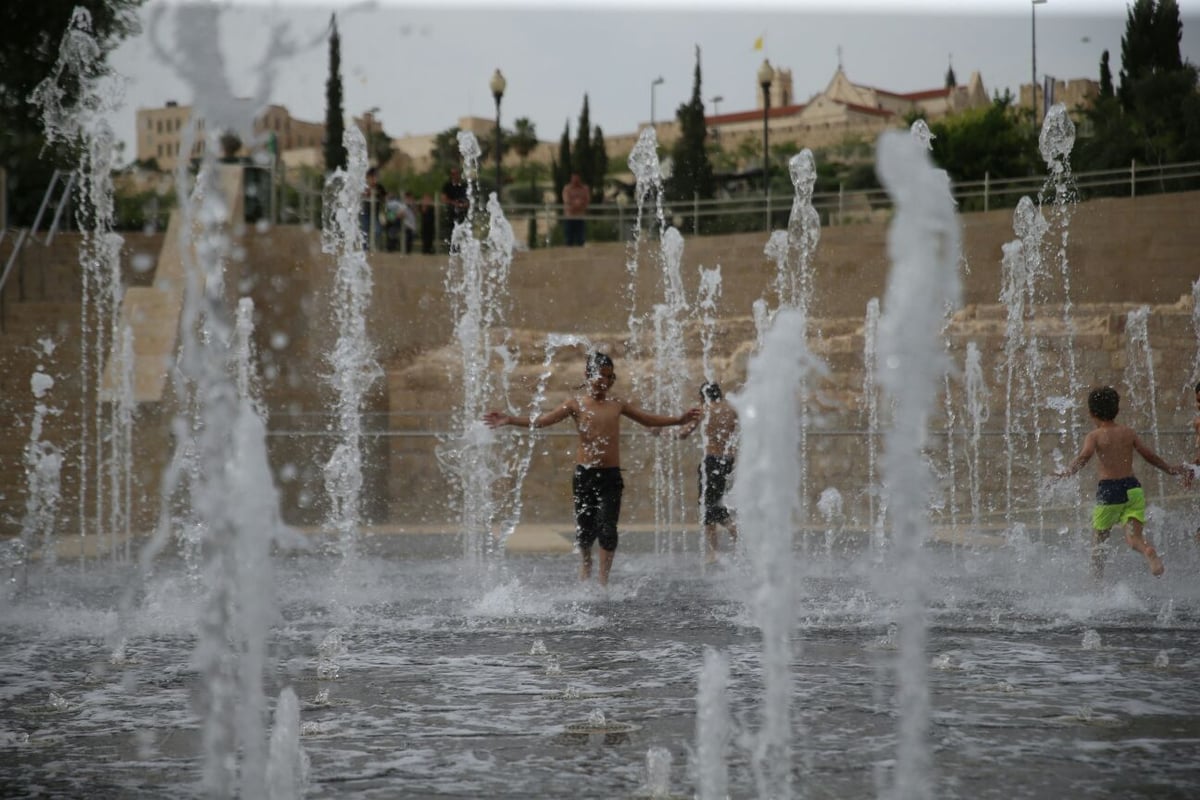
[1119, 496]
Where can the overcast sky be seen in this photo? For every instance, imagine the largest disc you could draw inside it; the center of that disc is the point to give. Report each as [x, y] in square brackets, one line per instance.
[424, 65]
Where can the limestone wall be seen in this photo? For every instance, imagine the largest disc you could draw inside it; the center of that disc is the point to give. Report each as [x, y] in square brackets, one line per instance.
[1120, 254]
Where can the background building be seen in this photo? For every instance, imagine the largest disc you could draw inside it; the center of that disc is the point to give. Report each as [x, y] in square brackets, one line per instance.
[161, 131]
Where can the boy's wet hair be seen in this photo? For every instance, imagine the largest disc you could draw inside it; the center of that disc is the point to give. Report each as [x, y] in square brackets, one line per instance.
[711, 390]
[595, 362]
[1104, 403]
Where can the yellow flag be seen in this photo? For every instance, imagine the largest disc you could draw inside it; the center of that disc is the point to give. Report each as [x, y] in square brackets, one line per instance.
[758, 43]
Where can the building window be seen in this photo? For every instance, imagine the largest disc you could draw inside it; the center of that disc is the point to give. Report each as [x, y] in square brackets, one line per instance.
[159, 123]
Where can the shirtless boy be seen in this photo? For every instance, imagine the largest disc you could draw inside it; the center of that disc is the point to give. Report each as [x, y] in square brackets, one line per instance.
[1119, 497]
[597, 484]
[719, 427]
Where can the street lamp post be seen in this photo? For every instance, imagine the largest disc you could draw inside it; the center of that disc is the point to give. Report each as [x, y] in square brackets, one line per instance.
[653, 84]
[765, 74]
[716, 113]
[1033, 86]
[497, 85]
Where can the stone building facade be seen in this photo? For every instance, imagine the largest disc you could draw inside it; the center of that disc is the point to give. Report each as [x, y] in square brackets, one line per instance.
[842, 110]
[162, 132]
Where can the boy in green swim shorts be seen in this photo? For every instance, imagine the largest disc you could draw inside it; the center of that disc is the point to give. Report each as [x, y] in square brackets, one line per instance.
[1119, 497]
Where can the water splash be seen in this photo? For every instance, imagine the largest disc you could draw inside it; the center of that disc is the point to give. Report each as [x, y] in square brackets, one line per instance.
[1140, 403]
[245, 355]
[1055, 143]
[287, 763]
[1022, 275]
[767, 497]
[977, 407]
[648, 182]
[352, 357]
[477, 285]
[230, 493]
[713, 727]
[658, 772]
[793, 252]
[43, 474]
[870, 395]
[669, 386]
[518, 461]
[120, 473]
[951, 424]
[829, 505]
[924, 247]
[709, 294]
[74, 100]
[920, 131]
[795, 284]
[708, 298]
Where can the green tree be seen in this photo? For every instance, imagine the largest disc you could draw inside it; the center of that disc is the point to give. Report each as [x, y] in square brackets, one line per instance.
[599, 165]
[30, 36]
[562, 165]
[581, 154]
[335, 148]
[693, 172]
[1158, 89]
[379, 145]
[1150, 44]
[1155, 116]
[524, 141]
[994, 141]
[1106, 83]
[445, 150]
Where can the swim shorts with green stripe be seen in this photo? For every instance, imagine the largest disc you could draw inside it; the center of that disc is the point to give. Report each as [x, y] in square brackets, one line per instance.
[1117, 501]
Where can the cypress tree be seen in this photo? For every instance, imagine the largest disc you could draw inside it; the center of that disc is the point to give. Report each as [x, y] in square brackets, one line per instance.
[335, 148]
[581, 157]
[1106, 84]
[599, 165]
[693, 174]
[562, 167]
[1150, 45]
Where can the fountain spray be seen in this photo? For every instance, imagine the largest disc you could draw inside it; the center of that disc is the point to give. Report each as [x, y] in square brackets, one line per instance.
[924, 246]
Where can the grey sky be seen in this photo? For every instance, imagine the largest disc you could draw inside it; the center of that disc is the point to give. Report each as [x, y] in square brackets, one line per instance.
[425, 65]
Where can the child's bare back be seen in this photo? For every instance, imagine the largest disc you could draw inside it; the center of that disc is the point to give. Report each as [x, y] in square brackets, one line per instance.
[1115, 445]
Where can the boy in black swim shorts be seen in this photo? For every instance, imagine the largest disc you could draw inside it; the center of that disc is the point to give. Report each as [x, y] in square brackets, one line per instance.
[597, 493]
[596, 483]
[719, 428]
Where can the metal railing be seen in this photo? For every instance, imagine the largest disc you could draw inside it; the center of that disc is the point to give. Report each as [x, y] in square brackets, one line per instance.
[753, 210]
[63, 181]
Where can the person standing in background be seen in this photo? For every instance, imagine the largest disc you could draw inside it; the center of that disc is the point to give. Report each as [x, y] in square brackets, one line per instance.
[576, 196]
[428, 224]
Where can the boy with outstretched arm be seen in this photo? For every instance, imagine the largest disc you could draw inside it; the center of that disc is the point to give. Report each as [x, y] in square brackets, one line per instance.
[1119, 496]
[596, 484]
